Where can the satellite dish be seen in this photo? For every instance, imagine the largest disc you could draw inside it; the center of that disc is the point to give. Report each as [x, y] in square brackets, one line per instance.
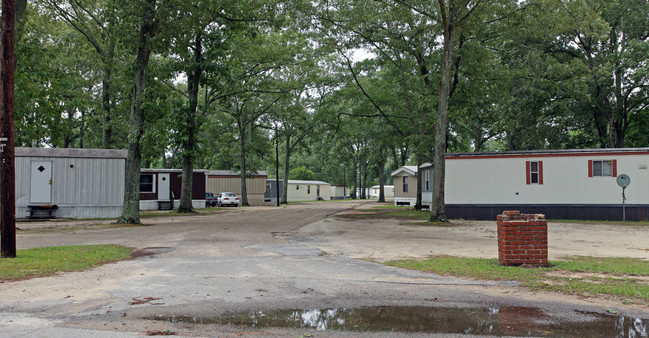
[623, 180]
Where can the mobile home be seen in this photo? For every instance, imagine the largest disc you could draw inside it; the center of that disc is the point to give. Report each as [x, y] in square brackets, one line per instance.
[69, 183]
[162, 188]
[272, 190]
[388, 191]
[339, 192]
[405, 185]
[229, 181]
[562, 184]
[301, 190]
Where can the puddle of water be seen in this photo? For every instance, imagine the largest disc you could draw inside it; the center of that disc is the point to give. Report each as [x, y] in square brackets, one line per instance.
[519, 321]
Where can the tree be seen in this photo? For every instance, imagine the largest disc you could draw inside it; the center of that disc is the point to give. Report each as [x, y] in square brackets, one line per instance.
[148, 28]
[97, 22]
[450, 15]
[610, 39]
[302, 173]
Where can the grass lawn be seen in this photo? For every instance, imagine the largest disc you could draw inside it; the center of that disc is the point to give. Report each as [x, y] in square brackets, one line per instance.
[623, 278]
[48, 261]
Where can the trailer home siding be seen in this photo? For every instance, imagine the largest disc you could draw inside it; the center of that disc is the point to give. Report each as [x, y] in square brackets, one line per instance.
[563, 184]
[339, 192]
[303, 190]
[82, 183]
[228, 181]
[405, 185]
[162, 188]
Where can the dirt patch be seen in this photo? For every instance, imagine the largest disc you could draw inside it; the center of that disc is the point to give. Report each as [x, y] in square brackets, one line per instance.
[150, 251]
[359, 233]
[595, 277]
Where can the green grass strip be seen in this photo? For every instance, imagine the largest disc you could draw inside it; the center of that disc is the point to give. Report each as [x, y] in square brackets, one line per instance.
[583, 276]
[48, 261]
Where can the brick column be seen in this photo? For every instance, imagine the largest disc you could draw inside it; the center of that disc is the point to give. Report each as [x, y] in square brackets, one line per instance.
[522, 239]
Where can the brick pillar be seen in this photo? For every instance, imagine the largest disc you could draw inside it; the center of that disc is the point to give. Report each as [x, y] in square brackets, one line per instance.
[522, 239]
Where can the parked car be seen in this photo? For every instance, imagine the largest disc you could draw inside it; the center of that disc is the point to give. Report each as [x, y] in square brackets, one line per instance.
[210, 200]
[227, 198]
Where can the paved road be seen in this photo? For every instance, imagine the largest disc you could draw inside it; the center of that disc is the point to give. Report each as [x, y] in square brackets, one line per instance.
[200, 268]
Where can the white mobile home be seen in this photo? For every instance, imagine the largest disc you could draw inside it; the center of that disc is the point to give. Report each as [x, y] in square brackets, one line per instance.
[388, 191]
[299, 190]
[562, 184]
[70, 183]
[339, 192]
[405, 185]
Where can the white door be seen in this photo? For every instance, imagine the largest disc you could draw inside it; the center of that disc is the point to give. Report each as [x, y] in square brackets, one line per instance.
[40, 190]
[163, 186]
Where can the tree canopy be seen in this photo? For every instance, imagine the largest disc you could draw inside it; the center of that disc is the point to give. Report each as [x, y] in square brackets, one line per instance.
[348, 90]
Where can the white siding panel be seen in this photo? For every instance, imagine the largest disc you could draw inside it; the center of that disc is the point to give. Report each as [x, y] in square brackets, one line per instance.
[88, 182]
[302, 195]
[92, 187]
[565, 181]
[22, 181]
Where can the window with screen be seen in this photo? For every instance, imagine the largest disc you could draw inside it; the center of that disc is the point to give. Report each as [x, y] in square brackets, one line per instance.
[146, 183]
[602, 168]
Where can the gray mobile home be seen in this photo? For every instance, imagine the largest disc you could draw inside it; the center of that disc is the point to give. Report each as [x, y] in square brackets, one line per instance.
[271, 191]
[70, 183]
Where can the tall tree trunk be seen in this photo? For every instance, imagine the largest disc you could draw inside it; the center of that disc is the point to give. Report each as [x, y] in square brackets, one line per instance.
[287, 163]
[381, 182]
[353, 191]
[359, 185]
[242, 164]
[105, 97]
[364, 194]
[395, 158]
[131, 211]
[449, 21]
[82, 129]
[193, 84]
[380, 166]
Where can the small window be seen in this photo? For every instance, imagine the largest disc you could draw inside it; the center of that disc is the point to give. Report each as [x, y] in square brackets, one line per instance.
[602, 168]
[297, 187]
[534, 172]
[308, 189]
[146, 183]
[405, 184]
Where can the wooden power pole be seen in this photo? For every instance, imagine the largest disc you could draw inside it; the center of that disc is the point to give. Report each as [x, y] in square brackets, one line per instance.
[7, 141]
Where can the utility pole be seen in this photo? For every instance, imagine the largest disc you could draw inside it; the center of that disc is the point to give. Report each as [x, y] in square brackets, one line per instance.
[7, 141]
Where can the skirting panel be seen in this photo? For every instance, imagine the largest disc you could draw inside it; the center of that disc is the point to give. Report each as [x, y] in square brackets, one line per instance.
[596, 212]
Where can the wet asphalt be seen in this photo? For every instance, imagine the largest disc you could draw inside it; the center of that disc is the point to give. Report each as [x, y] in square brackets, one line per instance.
[192, 273]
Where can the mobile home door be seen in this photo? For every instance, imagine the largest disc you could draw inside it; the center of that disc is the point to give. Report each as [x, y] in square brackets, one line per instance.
[40, 190]
[164, 187]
